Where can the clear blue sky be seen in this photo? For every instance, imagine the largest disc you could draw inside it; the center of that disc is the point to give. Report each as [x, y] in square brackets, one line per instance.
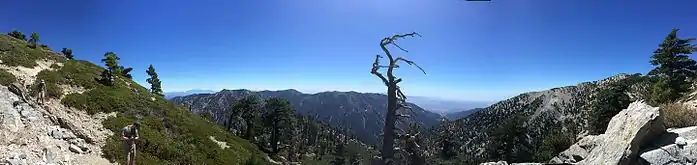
[470, 50]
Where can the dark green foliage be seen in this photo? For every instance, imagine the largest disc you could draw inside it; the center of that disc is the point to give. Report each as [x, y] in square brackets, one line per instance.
[154, 81]
[445, 140]
[126, 72]
[553, 144]
[68, 53]
[249, 109]
[6, 78]
[673, 67]
[17, 34]
[509, 141]
[33, 40]
[607, 103]
[279, 118]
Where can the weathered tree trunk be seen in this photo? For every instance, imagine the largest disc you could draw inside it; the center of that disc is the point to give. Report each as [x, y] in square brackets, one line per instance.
[395, 98]
[390, 119]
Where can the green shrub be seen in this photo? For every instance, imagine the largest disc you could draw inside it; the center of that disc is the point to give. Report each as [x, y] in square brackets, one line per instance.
[7, 78]
[677, 115]
[19, 54]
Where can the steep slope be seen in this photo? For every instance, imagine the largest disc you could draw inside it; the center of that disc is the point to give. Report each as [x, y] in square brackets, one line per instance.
[541, 115]
[78, 102]
[461, 114]
[364, 112]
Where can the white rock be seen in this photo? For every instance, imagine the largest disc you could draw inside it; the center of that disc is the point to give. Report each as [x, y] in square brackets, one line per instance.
[620, 144]
[680, 141]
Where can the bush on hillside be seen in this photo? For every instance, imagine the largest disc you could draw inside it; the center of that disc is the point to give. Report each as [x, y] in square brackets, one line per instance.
[6, 78]
[18, 54]
[677, 115]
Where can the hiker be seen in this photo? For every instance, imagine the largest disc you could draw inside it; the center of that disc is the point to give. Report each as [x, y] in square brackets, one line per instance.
[42, 92]
[129, 135]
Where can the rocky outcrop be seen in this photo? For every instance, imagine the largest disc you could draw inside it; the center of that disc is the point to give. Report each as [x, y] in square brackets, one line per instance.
[626, 133]
[28, 134]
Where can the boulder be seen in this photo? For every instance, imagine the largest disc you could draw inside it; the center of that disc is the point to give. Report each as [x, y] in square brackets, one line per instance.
[627, 131]
[677, 146]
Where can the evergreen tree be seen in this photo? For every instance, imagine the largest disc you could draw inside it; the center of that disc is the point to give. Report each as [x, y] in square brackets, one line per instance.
[673, 67]
[445, 140]
[126, 72]
[34, 39]
[17, 34]
[279, 117]
[154, 81]
[248, 109]
[107, 77]
[111, 61]
[606, 104]
[509, 141]
[68, 53]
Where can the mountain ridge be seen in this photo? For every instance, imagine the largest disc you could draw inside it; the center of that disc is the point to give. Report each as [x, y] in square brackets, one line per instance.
[361, 110]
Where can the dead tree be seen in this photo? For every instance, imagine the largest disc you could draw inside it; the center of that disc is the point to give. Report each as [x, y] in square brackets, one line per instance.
[396, 100]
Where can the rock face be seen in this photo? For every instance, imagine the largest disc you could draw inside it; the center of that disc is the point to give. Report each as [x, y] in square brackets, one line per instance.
[627, 131]
[29, 134]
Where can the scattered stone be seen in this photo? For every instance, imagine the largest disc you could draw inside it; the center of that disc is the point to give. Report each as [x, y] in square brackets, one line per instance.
[49, 156]
[57, 134]
[75, 149]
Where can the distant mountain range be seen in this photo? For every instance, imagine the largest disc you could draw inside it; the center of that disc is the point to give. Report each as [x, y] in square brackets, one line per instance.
[169, 95]
[444, 106]
[363, 113]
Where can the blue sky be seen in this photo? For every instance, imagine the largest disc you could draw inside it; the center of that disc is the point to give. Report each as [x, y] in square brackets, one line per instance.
[481, 51]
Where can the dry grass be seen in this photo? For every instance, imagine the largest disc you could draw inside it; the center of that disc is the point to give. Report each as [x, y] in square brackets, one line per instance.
[679, 115]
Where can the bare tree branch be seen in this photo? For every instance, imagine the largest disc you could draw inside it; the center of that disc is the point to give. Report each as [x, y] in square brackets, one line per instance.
[410, 63]
[374, 70]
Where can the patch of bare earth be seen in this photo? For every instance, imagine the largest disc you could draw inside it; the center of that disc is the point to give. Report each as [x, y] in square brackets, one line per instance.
[222, 145]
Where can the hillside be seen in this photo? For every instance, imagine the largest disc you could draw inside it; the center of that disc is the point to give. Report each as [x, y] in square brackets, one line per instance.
[538, 116]
[79, 102]
[363, 111]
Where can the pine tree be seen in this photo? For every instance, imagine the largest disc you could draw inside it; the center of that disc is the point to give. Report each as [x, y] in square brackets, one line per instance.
[279, 117]
[33, 39]
[111, 61]
[68, 53]
[673, 67]
[154, 81]
[248, 109]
